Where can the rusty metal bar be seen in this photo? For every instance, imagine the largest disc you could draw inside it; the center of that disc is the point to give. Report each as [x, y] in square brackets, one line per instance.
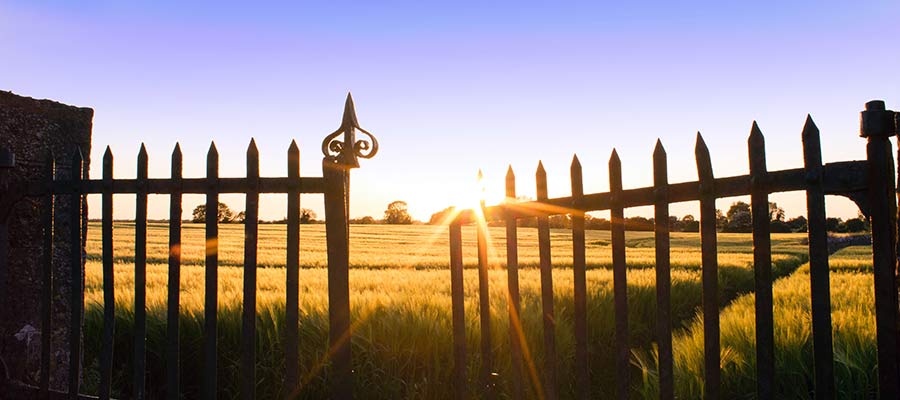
[663, 272]
[109, 281]
[820, 289]
[579, 291]
[338, 236]
[210, 307]
[140, 280]
[514, 306]
[173, 355]
[251, 237]
[292, 279]
[484, 310]
[549, 318]
[710, 273]
[762, 265]
[459, 312]
[620, 278]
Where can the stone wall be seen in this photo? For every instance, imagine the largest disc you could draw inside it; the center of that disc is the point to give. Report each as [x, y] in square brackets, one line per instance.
[32, 129]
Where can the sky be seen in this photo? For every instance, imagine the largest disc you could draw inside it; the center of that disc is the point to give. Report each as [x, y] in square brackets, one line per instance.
[449, 88]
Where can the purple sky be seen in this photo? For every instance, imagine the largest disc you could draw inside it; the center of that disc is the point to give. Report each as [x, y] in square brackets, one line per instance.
[451, 88]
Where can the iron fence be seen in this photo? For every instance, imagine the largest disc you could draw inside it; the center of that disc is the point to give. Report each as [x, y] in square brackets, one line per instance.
[869, 183]
[341, 149]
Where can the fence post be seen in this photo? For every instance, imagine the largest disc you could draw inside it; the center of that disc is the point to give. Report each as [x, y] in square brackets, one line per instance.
[337, 182]
[340, 157]
[877, 126]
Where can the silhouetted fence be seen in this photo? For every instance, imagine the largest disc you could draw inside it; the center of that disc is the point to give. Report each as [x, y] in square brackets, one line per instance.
[869, 183]
[341, 150]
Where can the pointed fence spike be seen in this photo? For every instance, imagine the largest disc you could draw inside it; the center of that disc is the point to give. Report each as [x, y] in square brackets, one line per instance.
[142, 157]
[212, 161]
[142, 162]
[809, 128]
[176, 152]
[252, 160]
[699, 142]
[107, 163]
[176, 161]
[293, 148]
[660, 167]
[510, 183]
[614, 158]
[659, 149]
[540, 170]
[349, 112]
[704, 163]
[575, 174]
[756, 141]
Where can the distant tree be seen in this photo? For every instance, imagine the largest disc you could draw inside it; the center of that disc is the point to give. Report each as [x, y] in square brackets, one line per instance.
[834, 225]
[241, 217]
[778, 226]
[307, 216]
[638, 224]
[593, 223]
[560, 221]
[721, 220]
[397, 213]
[367, 220]
[440, 217]
[797, 224]
[854, 225]
[689, 224]
[738, 218]
[224, 215]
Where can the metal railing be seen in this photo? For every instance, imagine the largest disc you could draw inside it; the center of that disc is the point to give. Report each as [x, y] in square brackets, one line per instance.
[869, 183]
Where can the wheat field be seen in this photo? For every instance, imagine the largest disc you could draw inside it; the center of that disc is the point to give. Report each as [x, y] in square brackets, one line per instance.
[400, 300]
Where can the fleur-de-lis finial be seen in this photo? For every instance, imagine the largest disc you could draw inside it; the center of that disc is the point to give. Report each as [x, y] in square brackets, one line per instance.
[348, 151]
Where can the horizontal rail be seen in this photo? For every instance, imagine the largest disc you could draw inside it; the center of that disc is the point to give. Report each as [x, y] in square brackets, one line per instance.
[838, 178]
[187, 185]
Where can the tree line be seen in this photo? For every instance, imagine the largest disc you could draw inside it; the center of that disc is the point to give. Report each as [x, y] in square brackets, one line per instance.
[738, 219]
[397, 212]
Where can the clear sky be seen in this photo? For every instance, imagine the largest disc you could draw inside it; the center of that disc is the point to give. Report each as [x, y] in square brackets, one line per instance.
[452, 87]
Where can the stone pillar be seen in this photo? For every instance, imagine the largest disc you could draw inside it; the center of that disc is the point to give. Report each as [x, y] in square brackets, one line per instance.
[32, 128]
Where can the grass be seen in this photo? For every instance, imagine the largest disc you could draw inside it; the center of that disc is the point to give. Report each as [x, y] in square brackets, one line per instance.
[423, 246]
[400, 298]
[853, 319]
